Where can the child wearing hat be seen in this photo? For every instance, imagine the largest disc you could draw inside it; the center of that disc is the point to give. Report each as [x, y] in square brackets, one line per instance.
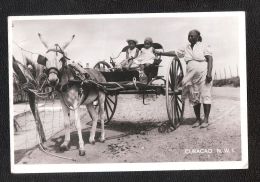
[131, 53]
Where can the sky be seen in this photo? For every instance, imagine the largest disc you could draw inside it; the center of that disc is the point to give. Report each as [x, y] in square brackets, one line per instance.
[97, 39]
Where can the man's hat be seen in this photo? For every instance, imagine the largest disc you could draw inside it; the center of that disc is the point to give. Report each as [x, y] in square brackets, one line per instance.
[133, 40]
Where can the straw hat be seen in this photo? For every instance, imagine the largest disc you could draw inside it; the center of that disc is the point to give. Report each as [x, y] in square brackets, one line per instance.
[133, 40]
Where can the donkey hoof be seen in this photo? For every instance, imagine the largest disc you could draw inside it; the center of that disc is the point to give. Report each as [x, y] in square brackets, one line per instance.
[82, 152]
[102, 140]
[92, 142]
[64, 147]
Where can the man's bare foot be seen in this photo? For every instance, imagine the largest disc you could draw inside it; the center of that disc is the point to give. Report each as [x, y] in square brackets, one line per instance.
[197, 123]
[205, 123]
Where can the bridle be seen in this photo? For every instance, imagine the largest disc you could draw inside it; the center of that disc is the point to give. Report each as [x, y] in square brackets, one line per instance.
[59, 74]
[63, 59]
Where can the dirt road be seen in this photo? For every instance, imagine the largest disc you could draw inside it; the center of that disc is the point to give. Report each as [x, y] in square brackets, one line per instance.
[132, 135]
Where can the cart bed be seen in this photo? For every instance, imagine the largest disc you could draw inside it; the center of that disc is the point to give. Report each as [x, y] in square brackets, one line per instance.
[119, 76]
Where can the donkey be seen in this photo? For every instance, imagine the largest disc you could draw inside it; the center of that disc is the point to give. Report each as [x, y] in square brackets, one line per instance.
[59, 76]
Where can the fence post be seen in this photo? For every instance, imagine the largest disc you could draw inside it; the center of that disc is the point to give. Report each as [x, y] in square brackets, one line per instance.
[215, 76]
[225, 75]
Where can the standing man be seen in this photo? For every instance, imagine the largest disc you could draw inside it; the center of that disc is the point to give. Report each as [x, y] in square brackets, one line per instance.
[198, 78]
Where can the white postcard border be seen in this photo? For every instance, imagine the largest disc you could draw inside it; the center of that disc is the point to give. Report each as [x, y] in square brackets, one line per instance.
[158, 166]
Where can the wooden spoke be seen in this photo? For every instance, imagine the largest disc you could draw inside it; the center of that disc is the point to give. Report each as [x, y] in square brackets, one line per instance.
[110, 100]
[179, 99]
[178, 107]
[176, 110]
[110, 106]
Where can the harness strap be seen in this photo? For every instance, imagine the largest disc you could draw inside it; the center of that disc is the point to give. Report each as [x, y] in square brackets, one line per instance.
[82, 100]
[81, 76]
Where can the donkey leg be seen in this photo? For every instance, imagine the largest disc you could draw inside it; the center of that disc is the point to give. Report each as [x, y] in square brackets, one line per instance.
[94, 117]
[78, 126]
[88, 123]
[66, 115]
[101, 115]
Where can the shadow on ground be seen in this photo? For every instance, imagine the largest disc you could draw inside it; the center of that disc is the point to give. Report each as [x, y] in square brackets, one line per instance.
[124, 128]
[132, 127]
[19, 154]
[188, 121]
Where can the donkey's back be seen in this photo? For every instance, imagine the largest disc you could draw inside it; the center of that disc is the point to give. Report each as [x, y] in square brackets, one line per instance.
[98, 76]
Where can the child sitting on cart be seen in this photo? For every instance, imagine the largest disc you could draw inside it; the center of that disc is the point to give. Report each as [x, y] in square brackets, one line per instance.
[146, 58]
[147, 54]
[131, 53]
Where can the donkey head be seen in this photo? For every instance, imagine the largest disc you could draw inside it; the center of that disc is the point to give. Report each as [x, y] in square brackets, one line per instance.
[54, 59]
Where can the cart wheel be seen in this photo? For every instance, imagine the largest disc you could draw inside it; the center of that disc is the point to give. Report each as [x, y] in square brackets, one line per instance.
[110, 107]
[174, 103]
[102, 66]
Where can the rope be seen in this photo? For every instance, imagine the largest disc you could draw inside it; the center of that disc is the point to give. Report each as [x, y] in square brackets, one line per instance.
[28, 86]
[41, 95]
[22, 49]
[51, 154]
[43, 148]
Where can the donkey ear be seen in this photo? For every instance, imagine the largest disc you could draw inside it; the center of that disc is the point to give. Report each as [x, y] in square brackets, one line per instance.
[42, 60]
[65, 45]
[43, 41]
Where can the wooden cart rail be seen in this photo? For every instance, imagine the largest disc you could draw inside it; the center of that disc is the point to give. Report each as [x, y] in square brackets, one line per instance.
[132, 87]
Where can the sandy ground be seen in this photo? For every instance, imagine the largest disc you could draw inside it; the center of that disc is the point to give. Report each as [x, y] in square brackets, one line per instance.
[132, 135]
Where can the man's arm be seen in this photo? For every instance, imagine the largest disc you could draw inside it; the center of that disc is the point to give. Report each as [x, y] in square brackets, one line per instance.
[169, 53]
[209, 60]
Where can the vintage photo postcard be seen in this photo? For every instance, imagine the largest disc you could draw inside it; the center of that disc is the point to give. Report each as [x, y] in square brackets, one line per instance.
[128, 92]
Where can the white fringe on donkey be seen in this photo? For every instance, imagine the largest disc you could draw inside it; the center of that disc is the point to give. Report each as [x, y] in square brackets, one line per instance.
[59, 74]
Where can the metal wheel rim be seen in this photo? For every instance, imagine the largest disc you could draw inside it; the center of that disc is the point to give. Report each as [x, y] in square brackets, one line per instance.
[174, 104]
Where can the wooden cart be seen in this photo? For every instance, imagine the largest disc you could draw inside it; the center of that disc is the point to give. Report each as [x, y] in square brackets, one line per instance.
[127, 82]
